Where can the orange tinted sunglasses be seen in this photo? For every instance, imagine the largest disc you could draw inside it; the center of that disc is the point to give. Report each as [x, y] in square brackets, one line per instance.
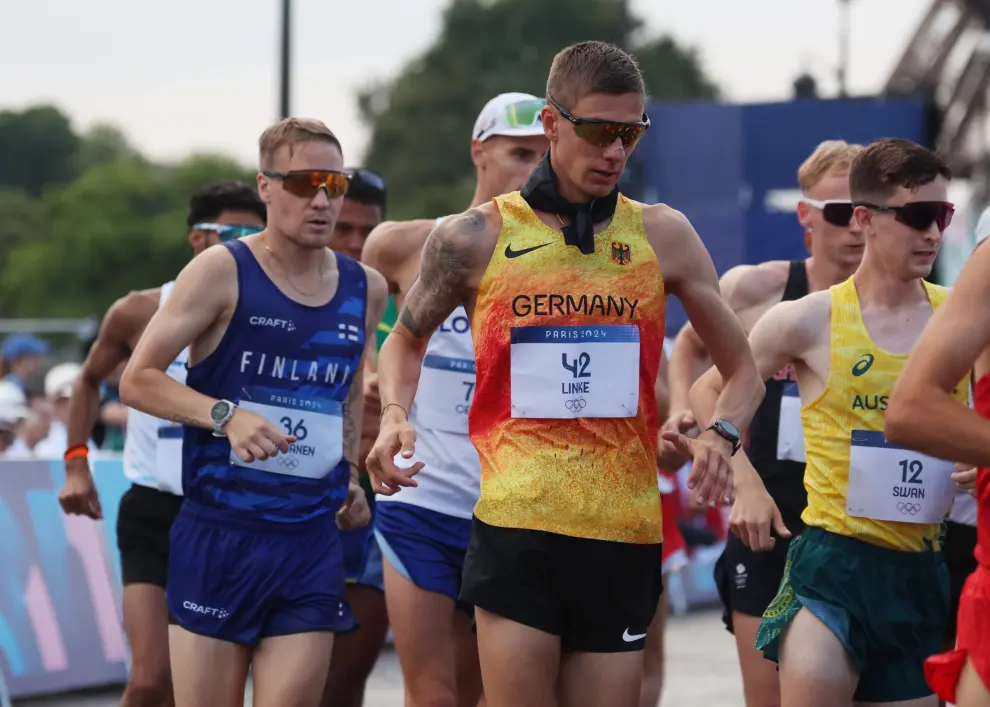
[305, 182]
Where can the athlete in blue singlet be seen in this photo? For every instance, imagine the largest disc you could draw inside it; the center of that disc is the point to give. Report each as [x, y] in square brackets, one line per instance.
[276, 326]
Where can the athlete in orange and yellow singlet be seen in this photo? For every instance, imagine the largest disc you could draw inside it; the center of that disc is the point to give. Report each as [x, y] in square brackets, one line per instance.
[564, 283]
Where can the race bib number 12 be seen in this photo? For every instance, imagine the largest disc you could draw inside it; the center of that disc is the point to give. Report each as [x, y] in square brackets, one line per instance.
[568, 372]
[887, 482]
[316, 423]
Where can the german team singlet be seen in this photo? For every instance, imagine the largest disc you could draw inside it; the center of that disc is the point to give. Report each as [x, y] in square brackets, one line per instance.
[860, 485]
[568, 347]
[292, 364]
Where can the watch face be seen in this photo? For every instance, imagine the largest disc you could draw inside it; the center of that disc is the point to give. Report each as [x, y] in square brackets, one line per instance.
[219, 411]
[729, 428]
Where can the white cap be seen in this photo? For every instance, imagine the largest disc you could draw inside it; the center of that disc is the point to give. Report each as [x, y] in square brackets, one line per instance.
[60, 379]
[982, 230]
[13, 404]
[512, 114]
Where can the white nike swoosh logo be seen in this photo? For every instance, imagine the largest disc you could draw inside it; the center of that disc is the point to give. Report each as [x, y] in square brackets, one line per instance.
[629, 638]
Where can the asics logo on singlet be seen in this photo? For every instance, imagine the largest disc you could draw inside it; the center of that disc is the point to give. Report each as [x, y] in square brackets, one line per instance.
[286, 324]
[544, 305]
[509, 253]
[863, 365]
[207, 610]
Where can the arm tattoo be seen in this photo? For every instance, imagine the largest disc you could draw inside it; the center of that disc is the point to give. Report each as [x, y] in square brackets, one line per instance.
[188, 421]
[444, 271]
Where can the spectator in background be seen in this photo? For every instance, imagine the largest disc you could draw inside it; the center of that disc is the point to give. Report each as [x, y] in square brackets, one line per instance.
[20, 359]
[13, 411]
[58, 388]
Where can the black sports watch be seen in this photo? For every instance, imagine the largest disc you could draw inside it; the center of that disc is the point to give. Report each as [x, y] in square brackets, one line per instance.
[220, 415]
[727, 431]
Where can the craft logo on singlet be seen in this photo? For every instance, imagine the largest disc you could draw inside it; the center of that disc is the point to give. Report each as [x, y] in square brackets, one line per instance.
[546, 305]
[285, 324]
[291, 369]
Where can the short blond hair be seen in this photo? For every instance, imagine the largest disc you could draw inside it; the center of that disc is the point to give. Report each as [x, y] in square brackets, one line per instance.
[288, 132]
[830, 157]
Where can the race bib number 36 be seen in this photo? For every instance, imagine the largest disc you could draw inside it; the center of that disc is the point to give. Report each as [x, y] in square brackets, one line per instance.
[568, 372]
[890, 483]
[316, 423]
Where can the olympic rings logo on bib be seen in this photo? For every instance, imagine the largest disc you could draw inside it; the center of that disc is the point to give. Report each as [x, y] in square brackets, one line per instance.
[576, 405]
[287, 462]
[909, 509]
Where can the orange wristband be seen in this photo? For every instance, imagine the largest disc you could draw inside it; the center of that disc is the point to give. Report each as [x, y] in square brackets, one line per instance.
[76, 451]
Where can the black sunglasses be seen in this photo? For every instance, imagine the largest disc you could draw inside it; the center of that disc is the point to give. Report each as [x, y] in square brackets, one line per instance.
[602, 133]
[919, 215]
[837, 212]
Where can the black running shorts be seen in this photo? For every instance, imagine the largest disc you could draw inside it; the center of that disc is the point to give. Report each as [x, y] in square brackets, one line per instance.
[144, 521]
[598, 596]
[748, 581]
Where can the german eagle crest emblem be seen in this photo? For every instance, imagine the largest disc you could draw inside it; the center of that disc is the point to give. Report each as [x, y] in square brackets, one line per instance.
[620, 254]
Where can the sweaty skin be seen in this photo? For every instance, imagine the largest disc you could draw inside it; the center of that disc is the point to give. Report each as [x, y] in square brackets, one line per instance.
[454, 260]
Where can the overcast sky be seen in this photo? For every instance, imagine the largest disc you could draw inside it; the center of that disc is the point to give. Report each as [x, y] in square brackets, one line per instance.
[188, 75]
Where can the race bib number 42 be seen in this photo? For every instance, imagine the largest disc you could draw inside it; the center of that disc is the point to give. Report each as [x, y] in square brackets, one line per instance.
[568, 372]
[890, 483]
[316, 423]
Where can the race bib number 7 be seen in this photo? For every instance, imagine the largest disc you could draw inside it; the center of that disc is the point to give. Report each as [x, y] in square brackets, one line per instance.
[891, 483]
[316, 423]
[569, 372]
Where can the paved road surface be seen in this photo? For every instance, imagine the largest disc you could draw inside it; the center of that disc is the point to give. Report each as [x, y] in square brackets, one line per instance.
[701, 670]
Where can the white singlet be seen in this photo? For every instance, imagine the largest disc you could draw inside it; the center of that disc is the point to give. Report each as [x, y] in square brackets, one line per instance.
[153, 447]
[450, 483]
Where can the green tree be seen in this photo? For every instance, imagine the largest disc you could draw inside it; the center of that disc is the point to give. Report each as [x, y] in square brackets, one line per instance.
[37, 149]
[103, 144]
[421, 119]
[120, 226]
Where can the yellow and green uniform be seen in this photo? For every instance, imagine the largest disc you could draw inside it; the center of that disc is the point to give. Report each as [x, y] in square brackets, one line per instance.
[388, 321]
[868, 564]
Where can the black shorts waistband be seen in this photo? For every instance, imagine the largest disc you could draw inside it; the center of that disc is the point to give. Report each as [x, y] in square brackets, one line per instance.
[875, 553]
[147, 493]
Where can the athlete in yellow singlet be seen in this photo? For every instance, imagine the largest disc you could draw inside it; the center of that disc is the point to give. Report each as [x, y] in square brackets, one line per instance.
[864, 597]
[564, 283]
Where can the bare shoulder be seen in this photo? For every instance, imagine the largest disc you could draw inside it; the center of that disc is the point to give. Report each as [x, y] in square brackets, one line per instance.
[391, 243]
[804, 322]
[214, 271]
[377, 286]
[464, 243]
[676, 244]
[748, 286]
[128, 316]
